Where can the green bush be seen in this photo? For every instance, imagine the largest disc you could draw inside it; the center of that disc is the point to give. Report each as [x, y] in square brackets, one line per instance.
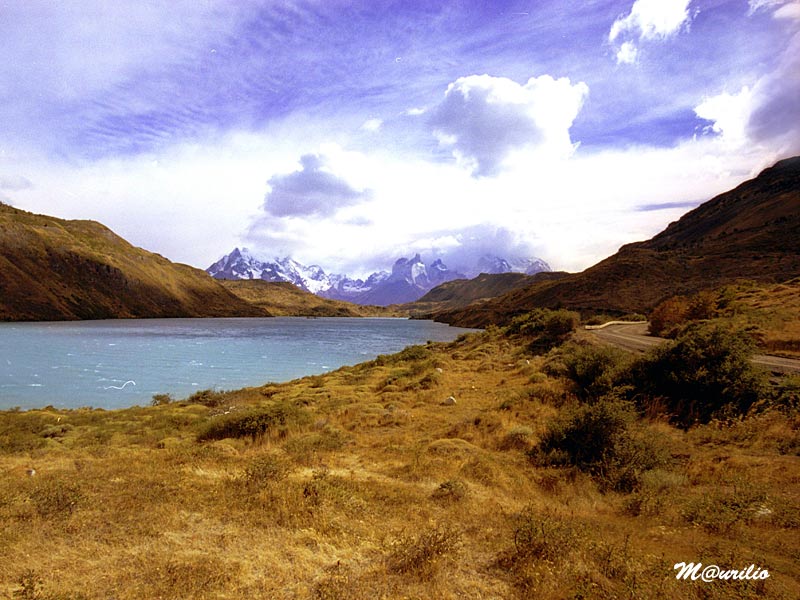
[705, 374]
[161, 399]
[253, 423]
[544, 328]
[597, 370]
[209, 398]
[597, 439]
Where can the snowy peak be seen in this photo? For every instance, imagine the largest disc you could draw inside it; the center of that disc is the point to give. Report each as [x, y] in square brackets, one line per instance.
[241, 264]
[408, 280]
[491, 264]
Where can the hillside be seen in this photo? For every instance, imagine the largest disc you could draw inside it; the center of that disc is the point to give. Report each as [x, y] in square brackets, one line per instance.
[53, 269]
[286, 299]
[751, 232]
[462, 292]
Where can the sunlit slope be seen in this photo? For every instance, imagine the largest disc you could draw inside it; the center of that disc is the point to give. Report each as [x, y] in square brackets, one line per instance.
[54, 269]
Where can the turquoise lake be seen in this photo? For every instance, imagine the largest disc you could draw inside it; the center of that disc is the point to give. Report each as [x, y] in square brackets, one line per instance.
[120, 363]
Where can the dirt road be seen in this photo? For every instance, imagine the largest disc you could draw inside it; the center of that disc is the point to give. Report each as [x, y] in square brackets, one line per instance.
[634, 337]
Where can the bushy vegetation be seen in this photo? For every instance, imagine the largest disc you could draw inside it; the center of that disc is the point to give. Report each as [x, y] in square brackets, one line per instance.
[253, 423]
[705, 374]
[598, 439]
[544, 328]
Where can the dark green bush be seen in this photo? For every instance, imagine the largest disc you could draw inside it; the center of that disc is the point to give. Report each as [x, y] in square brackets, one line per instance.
[544, 328]
[597, 439]
[253, 422]
[210, 398]
[161, 399]
[597, 370]
[705, 374]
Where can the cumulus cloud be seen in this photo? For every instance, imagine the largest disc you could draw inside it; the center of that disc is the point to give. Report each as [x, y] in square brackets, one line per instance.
[484, 119]
[769, 112]
[648, 20]
[628, 53]
[729, 114]
[313, 190]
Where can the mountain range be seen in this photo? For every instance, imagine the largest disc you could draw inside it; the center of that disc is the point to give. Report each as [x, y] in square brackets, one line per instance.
[408, 280]
[751, 232]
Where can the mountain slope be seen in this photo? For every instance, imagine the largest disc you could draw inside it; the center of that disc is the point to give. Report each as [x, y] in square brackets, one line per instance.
[486, 286]
[53, 269]
[750, 232]
[286, 299]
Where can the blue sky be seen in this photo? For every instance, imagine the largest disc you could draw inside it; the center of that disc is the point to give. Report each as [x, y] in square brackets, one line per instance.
[351, 133]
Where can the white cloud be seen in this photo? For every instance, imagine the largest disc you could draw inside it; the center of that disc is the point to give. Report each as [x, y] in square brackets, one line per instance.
[648, 20]
[729, 113]
[627, 53]
[768, 113]
[485, 119]
[652, 19]
[372, 125]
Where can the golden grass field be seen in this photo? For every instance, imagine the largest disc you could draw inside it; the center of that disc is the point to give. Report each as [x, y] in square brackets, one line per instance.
[369, 485]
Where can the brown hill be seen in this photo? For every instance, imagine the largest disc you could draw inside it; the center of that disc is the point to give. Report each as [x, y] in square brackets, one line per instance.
[751, 232]
[286, 299]
[53, 269]
[463, 292]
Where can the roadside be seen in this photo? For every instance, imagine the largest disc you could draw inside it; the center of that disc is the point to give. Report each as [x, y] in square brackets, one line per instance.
[634, 338]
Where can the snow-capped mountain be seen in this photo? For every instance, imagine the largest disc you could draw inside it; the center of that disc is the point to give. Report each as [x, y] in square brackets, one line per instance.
[408, 280]
[241, 264]
[488, 263]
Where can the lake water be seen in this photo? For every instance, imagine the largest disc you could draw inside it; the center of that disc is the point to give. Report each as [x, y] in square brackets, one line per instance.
[114, 364]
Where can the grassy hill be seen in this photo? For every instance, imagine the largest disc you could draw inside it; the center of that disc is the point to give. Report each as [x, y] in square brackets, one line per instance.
[53, 269]
[285, 299]
[369, 483]
[751, 232]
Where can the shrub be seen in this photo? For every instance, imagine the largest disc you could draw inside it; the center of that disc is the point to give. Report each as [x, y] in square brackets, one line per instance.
[420, 555]
[452, 490]
[54, 497]
[209, 398]
[597, 370]
[544, 328]
[161, 399]
[266, 470]
[706, 374]
[253, 423]
[597, 439]
[542, 537]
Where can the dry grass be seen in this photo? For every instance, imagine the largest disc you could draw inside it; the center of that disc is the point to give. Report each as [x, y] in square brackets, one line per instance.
[369, 486]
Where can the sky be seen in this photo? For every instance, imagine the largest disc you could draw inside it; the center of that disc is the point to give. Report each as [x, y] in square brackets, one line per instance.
[348, 134]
